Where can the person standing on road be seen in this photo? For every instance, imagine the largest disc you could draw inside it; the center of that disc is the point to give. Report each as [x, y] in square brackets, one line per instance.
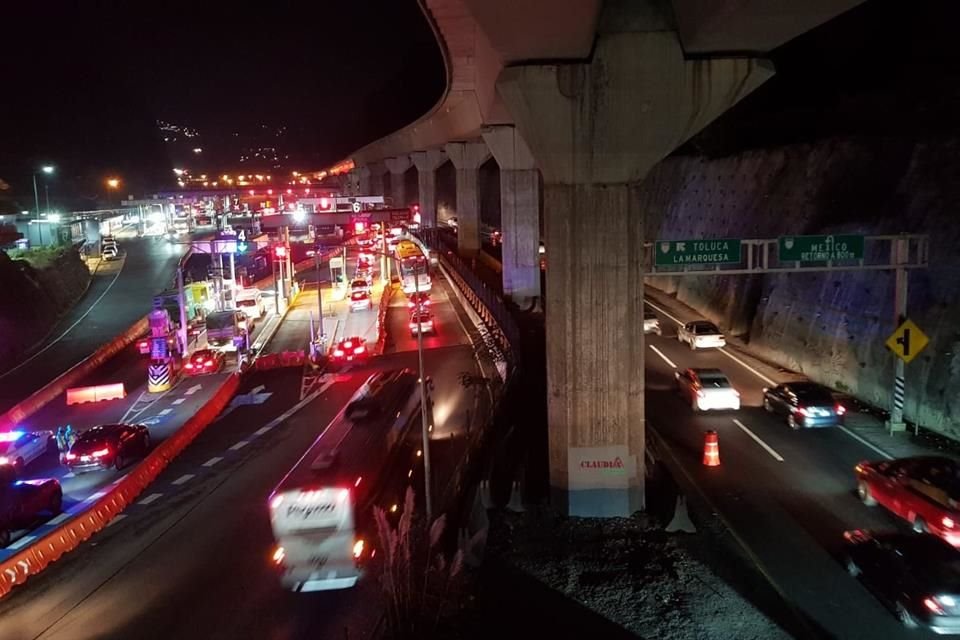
[70, 436]
[61, 443]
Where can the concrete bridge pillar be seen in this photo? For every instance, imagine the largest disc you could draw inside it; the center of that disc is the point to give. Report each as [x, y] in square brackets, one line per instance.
[375, 171]
[427, 163]
[365, 176]
[398, 186]
[519, 213]
[467, 158]
[596, 130]
[351, 184]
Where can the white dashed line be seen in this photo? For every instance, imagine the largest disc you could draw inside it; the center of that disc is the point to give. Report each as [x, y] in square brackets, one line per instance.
[261, 431]
[165, 412]
[192, 390]
[184, 478]
[151, 498]
[239, 445]
[179, 401]
[61, 518]
[770, 450]
[212, 461]
[22, 542]
[661, 354]
[117, 518]
[770, 381]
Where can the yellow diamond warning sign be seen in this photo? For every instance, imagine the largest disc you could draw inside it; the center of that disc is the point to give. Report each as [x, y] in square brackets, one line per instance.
[907, 341]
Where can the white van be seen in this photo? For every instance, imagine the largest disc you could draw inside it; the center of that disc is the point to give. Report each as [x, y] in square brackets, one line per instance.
[250, 301]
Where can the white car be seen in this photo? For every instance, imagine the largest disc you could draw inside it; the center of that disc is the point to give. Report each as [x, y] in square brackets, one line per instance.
[651, 323]
[707, 389]
[109, 252]
[250, 301]
[701, 334]
[360, 300]
[20, 448]
[421, 322]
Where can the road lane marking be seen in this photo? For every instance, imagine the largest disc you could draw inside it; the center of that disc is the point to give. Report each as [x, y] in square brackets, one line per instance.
[770, 381]
[212, 461]
[151, 498]
[326, 385]
[661, 354]
[192, 390]
[117, 518]
[61, 518]
[239, 445]
[865, 442]
[70, 328]
[183, 479]
[664, 312]
[770, 450]
[165, 412]
[96, 496]
[179, 401]
[22, 542]
[261, 431]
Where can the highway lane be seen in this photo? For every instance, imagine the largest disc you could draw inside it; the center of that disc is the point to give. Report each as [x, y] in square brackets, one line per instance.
[197, 556]
[163, 413]
[790, 513]
[116, 299]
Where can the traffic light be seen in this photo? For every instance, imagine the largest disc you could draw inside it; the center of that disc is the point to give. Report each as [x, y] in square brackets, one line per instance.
[280, 251]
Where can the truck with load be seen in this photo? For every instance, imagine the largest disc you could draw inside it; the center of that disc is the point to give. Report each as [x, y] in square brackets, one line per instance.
[228, 329]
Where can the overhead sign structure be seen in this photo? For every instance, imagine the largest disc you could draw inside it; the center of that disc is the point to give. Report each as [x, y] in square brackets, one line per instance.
[820, 248]
[692, 252]
[907, 341]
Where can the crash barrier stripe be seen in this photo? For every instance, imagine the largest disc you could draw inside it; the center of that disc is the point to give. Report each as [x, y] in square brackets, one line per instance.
[96, 393]
[43, 396]
[382, 318]
[158, 374]
[52, 546]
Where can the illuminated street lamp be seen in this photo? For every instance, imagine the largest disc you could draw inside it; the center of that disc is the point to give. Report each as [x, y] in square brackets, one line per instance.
[113, 183]
[47, 169]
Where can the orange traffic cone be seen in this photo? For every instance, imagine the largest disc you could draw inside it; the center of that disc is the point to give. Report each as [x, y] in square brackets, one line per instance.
[711, 450]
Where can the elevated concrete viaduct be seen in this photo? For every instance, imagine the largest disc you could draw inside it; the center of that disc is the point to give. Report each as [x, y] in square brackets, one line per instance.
[587, 96]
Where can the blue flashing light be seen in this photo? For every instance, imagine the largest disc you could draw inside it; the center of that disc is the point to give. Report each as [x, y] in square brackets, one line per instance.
[10, 436]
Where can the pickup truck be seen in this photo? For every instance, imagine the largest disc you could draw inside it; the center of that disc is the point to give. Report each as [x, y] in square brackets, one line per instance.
[23, 501]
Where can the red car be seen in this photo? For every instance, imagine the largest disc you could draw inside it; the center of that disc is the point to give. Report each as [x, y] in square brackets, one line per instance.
[421, 299]
[924, 491]
[204, 361]
[349, 350]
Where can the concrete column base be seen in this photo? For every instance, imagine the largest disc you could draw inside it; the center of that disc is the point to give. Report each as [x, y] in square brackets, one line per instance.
[427, 163]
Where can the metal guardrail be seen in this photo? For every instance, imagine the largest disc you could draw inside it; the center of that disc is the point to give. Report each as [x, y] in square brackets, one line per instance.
[485, 301]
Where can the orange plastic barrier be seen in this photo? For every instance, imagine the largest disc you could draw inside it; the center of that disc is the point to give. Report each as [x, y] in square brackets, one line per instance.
[40, 398]
[711, 449]
[79, 395]
[39, 555]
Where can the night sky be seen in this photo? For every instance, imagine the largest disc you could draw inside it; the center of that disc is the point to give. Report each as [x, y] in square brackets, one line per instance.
[85, 83]
[84, 88]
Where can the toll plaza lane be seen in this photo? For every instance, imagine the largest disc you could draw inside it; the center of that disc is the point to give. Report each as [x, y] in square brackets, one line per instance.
[196, 548]
[787, 495]
[119, 295]
[162, 413]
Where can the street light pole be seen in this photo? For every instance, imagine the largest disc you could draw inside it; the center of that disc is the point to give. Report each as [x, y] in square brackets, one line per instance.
[46, 191]
[424, 426]
[36, 199]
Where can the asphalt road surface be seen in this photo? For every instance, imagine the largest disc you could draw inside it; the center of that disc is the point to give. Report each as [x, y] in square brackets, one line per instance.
[788, 495]
[120, 294]
[191, 559]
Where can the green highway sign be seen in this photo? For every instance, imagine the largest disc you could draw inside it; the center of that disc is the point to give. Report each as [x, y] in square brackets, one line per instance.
[673, 253]
[820, 248]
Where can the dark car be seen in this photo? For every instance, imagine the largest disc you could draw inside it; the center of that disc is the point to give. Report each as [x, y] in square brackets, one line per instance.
[804, 404]
[418, 299]
[924, 491]
[915, 575]
[204, 361]
[23, 501]
[108, 445]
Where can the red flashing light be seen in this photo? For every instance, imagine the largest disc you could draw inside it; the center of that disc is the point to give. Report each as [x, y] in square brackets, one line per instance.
[280, 251]
[358, 227]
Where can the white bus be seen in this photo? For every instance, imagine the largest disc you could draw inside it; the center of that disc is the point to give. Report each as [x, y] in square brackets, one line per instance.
[322, 511]
[410, 262]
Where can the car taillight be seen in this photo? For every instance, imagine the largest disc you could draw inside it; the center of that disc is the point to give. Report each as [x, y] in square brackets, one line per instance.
[932, 605]
[736, 393]
[99, 453]
[947, 522]
[701, 394]
[338, 353]
[348, 344]
[359, 350]
[841, 409]
[413, 325]
[4, 460]
[358, 549]
[208, 363]
[803, 411]
[71, 456]
[188, 366]
[278, 555]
